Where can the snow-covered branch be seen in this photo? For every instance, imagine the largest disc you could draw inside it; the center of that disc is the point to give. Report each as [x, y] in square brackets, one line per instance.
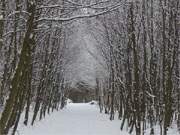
[81, 16]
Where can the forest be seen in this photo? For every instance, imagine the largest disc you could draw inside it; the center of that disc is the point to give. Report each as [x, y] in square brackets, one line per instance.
[135, 45]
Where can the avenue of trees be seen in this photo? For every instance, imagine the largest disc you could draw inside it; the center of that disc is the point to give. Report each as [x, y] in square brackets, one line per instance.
[137, 40]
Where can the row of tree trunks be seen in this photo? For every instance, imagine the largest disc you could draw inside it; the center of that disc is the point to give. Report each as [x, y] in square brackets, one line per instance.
[144, 40]
[18, 86]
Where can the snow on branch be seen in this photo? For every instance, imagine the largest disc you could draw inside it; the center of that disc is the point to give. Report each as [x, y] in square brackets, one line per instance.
[56, 6]
[151, 95]
[77, 4]
[178, 77]
[81, 16]
[11, 32]
[18, 12]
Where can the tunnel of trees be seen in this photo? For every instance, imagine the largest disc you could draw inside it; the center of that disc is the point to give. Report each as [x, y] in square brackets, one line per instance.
[80, 93]
[137, 50]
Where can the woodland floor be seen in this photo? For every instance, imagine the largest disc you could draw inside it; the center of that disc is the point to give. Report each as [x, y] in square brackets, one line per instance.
[77, 119]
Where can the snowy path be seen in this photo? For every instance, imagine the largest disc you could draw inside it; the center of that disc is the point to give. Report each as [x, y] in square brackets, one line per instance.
[75, 119]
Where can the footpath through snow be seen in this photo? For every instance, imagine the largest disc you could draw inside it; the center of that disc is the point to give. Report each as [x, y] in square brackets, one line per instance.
[79, 119]
[75, 119]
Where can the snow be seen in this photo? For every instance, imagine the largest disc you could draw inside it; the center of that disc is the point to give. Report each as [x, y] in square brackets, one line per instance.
[173, 130]
[1, 17]
[75, 119]
[68, 101]
[1, 40]
[93, 102]
[80, 119]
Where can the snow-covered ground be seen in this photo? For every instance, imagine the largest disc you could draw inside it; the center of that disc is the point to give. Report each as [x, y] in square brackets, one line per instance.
[77, 119]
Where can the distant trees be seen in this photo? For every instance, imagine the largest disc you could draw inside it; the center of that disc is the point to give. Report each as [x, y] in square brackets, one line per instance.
[80, 92]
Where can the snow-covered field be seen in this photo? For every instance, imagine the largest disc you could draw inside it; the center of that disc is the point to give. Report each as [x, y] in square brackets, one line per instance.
[76, 119]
